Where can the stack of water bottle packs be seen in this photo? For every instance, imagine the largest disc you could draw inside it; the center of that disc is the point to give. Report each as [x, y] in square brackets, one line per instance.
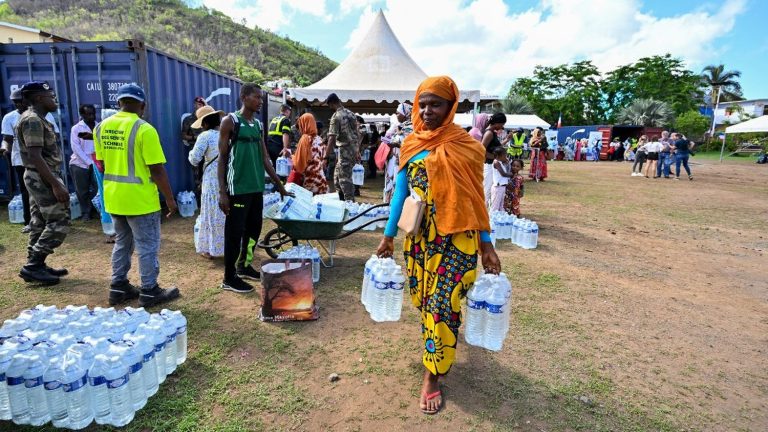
[382, 293]
[73, 366]
[74, 207]
[522, 232]
[354, 209]
[488, 305]
[307, 253]
[304, 206]
[16, 210]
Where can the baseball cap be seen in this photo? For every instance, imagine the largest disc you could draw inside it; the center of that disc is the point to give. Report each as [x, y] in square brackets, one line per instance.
[132, 91]
[332, 98]
[35, 87]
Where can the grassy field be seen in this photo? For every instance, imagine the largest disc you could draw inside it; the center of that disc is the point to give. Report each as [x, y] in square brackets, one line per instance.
[643, 309]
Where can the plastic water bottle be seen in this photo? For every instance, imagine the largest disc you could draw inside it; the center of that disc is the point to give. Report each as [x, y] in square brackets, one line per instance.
[181, 336]
[33, 381]
[54, 394]
[130, 355]
[283, 166]
[382, 279]
[74, 207]
[97, 385]
[494, 318]
[365, 155]
[197, 231]
[534, 235]
[474, 328]
[16, 210]
[17, 392]
[315, 255]
[120, 404]
[169, 330]
[366, 277]
[358, 175]
[6, 355]
[493, 233]
[76, 393]
[369, 286]
[395, 301]
[147, 351]
[157, 338]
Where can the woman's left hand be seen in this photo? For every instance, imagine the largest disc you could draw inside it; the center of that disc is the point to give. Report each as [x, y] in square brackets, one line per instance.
[491, 262]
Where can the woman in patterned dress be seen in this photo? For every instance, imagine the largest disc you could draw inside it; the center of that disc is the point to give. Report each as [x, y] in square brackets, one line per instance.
[308, 160]
[211, 235]
[538, 169]
[443, 166]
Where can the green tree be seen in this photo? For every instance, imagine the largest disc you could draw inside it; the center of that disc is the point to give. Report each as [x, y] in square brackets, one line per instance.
[718, 80]
[516, 104]
[573, 90]
[646, 112]
[248, 73]
[663, 78]
[693, 125]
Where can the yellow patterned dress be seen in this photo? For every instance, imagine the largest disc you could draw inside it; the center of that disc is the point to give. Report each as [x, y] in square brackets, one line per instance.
[441, 269]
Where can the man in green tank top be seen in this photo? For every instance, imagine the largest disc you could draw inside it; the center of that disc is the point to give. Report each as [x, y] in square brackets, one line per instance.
[243, 158]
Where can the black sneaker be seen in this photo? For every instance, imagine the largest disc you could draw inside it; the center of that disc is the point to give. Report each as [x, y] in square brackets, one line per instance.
[57, 271]
[157, 295]
[122, 292]
[248, 273]
[236, 285]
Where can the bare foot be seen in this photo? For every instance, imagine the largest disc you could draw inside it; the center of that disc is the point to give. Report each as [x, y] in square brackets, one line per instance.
[431, 400]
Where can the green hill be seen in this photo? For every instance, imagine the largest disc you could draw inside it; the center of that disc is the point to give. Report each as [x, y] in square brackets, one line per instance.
[200, 35]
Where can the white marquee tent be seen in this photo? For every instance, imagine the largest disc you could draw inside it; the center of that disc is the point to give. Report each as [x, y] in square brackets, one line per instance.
[759, 124]
[525, 121]
[376, 76]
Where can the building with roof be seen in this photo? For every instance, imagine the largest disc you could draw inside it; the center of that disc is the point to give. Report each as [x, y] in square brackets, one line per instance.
[14, 33]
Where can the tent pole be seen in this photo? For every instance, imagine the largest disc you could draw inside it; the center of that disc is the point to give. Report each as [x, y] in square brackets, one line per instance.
[722, 147]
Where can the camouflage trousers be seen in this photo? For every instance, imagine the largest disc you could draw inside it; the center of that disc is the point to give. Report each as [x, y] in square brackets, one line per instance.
[50, 219]
[343, 172]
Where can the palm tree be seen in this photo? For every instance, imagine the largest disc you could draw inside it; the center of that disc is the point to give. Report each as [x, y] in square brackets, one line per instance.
[516, 104]
[646, 112]
[723, 82]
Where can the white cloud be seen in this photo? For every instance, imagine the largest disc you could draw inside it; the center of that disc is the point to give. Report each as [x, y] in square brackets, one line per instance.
[348, 6]
[269, 14]
[483, 45]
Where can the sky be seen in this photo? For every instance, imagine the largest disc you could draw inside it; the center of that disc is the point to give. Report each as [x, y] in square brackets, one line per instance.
[487, 44]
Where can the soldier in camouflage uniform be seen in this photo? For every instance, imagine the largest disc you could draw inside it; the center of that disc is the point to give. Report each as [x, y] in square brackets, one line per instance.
[49, 199]
[343, 133]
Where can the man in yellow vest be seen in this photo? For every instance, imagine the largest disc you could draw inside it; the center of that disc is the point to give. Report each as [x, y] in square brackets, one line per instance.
[279, 134]
[515, 150]
[133, 172]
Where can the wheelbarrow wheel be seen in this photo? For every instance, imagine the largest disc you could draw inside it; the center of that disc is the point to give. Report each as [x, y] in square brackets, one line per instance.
[281, 241]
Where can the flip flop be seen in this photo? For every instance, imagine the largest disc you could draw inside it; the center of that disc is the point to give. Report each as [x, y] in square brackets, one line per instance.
[429, 397]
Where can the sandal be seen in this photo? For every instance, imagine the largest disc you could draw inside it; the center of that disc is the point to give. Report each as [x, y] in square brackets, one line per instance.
[429, 397]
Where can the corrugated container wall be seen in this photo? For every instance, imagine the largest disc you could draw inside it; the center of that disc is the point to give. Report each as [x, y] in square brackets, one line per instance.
[91, 73]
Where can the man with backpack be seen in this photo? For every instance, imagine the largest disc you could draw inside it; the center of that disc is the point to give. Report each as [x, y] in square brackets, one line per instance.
[243, 158]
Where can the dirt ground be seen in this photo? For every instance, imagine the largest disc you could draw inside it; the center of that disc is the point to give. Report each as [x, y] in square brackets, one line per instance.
[645, 307]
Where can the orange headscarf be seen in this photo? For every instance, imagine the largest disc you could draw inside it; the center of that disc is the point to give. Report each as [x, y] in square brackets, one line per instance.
[308, 129]
[454, 165]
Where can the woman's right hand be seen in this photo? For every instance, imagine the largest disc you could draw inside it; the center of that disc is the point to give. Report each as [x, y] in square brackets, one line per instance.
[386, 247]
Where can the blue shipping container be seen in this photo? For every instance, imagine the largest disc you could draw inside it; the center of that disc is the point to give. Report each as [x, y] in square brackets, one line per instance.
[91, 73]
[573, 132]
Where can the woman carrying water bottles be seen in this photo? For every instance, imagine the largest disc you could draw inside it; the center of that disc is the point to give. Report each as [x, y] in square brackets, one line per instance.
[442, 166]
[308, 159]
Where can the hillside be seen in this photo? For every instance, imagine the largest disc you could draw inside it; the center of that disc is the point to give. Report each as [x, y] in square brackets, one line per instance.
[200, 35]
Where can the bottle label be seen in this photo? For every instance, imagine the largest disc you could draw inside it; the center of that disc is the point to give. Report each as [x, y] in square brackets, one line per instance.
[148, 356]
[75, 385]
[12, 381]
[33, 382]
[182, 330]
[492, 308]
[170, 338]
[97, 380]
[52, 385]
[381, 285]
[159, 347]
[135, 368]
[118, 382]
[472, 304]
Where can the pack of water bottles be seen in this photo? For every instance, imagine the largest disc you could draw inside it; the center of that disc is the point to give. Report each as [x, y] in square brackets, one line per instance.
[488, 305]
[358, 175]
[74, 207]
[306, 253]
[73, 366]
[382, 291]
[522, 232]
[303, 206]
[187, 203]
[16, 210]
[283, 166]
[354, 209]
